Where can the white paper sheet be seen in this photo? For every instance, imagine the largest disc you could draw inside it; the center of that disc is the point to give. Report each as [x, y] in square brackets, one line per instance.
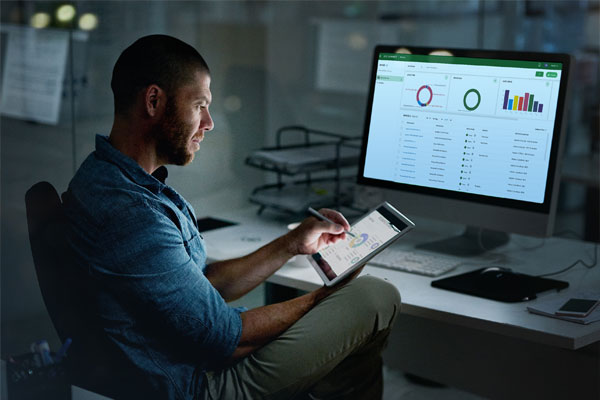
[345, 52]
[34, 70]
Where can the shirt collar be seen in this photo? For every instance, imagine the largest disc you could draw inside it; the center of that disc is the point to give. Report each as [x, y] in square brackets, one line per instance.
[106, 152]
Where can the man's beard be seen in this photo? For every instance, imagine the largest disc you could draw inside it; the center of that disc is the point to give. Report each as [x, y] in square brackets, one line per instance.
[171, 138]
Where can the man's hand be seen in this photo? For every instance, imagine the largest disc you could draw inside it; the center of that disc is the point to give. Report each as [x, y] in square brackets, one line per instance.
[312, 234]
[263, 324]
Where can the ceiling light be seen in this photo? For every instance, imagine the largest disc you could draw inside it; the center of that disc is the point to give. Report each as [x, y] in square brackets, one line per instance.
[88, 22]
[40, 20]
[65, 13]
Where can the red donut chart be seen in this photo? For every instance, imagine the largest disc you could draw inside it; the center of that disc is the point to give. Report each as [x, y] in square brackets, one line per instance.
[426, 87]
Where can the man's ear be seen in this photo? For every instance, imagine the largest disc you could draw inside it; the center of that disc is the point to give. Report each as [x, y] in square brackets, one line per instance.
[154, 100]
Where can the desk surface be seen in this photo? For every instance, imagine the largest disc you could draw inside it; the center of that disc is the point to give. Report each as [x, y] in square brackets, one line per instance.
[522, 254]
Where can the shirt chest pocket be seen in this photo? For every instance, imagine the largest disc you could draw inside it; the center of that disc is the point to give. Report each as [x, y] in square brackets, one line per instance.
[194, 246]
[192, 240]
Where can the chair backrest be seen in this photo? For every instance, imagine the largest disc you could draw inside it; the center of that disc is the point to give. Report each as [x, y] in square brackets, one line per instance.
[65, 288]
[46, 223]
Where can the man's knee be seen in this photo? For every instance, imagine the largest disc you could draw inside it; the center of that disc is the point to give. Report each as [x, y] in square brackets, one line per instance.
[377, 297]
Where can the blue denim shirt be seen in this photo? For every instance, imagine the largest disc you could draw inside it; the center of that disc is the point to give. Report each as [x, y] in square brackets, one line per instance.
[139, 242]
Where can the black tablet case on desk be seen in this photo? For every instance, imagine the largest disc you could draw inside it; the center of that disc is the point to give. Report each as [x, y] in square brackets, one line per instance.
[209, 223]
[500, 285]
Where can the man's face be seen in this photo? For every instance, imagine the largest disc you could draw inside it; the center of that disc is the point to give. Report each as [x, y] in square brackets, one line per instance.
[185, 121]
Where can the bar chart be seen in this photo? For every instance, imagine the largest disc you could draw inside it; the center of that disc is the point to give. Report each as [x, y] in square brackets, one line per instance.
[525, 103]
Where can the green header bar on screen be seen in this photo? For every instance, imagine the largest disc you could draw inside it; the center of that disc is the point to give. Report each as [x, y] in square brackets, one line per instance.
[470, 61]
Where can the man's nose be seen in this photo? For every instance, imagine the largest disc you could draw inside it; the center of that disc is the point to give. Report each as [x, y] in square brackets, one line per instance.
[207, 123]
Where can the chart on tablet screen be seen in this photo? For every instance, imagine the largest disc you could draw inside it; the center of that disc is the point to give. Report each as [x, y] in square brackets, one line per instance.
[370, 233]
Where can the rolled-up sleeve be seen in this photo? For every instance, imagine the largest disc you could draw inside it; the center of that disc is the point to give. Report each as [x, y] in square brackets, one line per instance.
[152, 269]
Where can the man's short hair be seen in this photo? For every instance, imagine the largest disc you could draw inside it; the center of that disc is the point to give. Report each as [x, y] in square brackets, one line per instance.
[156, 59]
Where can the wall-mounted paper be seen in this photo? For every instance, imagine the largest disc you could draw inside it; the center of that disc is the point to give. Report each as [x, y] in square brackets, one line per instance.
[34, 69]
[345, 52]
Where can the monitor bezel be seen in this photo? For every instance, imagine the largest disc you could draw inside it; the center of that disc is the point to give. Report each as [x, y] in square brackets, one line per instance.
[546, 206]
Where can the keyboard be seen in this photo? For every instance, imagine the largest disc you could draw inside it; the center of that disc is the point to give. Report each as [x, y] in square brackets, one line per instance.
[415, 262]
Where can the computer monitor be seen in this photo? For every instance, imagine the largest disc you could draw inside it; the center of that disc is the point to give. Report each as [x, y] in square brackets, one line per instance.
[468, 136]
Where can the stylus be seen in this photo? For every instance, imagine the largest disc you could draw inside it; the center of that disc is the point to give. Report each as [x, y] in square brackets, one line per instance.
[324, 218]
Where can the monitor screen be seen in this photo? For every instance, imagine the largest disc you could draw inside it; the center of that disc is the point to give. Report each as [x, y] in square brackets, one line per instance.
[479, 127]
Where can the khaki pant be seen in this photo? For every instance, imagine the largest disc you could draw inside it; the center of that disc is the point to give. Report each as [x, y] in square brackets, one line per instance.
[334, 351]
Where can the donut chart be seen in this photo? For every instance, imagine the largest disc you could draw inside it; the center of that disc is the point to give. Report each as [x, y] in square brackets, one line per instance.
[357, 241]
[427, 88]
[474, 106]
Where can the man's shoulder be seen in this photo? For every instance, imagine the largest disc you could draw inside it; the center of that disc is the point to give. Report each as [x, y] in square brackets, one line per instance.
[102, 187]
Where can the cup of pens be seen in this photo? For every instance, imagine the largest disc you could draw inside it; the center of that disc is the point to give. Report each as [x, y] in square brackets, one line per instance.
[40, 374]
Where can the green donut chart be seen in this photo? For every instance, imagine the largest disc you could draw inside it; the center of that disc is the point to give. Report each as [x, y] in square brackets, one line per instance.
[478, 99]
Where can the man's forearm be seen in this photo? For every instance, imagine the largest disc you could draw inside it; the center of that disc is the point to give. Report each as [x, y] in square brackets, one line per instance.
[263, 324]
[234, 278]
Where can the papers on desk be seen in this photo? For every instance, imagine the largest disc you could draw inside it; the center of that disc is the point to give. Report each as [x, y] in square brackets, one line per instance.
[298, 197]
[549, 306]
[294, 160]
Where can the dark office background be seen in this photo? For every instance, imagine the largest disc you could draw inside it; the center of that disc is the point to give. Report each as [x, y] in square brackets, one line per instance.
[271, 65]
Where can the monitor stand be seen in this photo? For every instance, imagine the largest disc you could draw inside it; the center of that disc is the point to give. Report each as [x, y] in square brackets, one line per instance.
[472, 242]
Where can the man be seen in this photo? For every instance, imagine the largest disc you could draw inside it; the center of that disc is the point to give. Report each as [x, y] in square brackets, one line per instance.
[154, 300]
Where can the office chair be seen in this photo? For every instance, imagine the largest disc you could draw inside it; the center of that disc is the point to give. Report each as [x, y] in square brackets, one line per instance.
[65, 287]
[45, 221]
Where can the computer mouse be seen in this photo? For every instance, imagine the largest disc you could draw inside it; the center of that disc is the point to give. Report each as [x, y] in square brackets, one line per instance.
[494, 269]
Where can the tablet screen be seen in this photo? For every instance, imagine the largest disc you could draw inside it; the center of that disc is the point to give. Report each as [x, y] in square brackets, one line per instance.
[371, 232]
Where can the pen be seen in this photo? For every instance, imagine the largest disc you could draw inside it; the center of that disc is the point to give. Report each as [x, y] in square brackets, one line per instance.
[320, 216]
[63, 349]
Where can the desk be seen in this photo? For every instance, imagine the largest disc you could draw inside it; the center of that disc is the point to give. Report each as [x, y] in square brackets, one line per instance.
[490, 348]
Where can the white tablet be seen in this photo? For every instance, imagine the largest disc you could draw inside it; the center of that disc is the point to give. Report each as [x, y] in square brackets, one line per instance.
[373, 232]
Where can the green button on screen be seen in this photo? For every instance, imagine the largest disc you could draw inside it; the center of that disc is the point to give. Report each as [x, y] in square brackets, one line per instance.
[539, 73]
[551, 74]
